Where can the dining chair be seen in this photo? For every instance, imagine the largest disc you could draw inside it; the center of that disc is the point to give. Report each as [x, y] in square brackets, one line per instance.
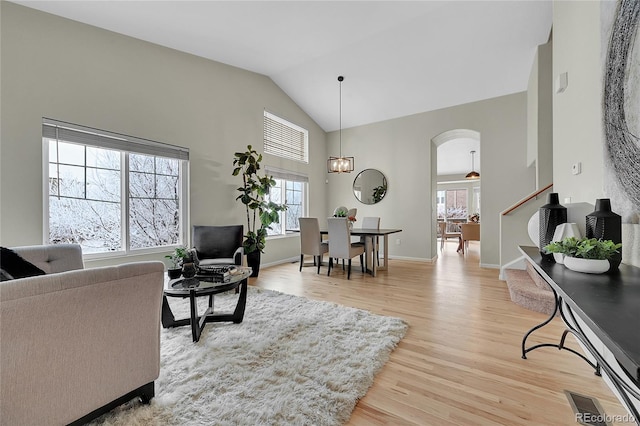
[372, 222]
[311, 241]
[340, 245]
[444, 234]
[469, 232]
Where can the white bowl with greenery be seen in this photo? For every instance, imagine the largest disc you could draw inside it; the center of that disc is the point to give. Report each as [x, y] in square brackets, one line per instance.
[589, 255]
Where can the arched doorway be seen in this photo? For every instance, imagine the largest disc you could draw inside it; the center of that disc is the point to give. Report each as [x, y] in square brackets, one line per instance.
[454, 197]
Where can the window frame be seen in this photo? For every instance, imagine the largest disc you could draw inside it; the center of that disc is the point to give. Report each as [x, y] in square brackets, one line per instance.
[284, 231]
[286, 176]
[289, 176]
[455, 190]
[146, 148]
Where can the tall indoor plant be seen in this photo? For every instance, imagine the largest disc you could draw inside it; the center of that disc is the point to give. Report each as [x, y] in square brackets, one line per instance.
[261, 214]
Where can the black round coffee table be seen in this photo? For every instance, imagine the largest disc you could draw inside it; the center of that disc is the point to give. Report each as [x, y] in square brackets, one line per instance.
[203, 285]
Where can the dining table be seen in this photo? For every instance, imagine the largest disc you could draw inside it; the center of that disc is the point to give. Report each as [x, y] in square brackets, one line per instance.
[370, 234]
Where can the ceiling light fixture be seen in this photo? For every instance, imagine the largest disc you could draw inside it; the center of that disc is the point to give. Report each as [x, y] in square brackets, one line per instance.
[340, 164]
[472, 174]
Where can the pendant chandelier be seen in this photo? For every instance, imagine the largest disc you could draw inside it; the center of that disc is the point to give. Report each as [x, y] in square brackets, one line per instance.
[340, 164]
[472, 174]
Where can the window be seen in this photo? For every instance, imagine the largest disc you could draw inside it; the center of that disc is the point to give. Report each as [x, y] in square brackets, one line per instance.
[284, 139]
[112, 193]
[476, 200]
[452, 204]
[291, 190]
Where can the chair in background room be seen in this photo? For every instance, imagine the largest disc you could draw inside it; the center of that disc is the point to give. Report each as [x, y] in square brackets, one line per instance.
[217, 245]
[444, 234]
[340, 245]
[372, 223]
[469, 232]
[311, 241]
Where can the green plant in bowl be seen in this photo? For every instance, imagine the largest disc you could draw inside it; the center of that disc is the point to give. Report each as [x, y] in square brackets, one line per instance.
[589, 255]
[584, 248]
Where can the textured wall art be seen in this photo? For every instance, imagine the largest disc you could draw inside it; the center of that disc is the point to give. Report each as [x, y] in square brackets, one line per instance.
[621, 107]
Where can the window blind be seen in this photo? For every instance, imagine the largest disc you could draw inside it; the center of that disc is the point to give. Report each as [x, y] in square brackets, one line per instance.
[60, 130]
[285, 139]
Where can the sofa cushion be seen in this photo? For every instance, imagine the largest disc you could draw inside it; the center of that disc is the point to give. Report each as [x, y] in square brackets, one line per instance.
[53, 258]
[16, 266]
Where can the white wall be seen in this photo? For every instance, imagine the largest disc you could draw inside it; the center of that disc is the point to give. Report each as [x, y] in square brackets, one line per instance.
[577, 112]
[57, 68]
[401, 149]
[580, 42]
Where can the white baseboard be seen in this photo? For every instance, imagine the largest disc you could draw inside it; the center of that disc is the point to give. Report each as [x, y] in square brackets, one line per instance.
[489, 266]
[413, 259]
[280, 262]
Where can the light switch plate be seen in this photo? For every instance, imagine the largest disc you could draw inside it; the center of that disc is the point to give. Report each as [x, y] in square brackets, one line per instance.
[576, 168]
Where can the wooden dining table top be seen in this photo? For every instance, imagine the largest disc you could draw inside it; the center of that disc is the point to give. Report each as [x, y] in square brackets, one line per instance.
[368, 231]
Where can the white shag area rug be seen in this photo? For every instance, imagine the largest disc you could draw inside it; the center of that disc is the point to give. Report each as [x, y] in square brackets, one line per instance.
[292, 361]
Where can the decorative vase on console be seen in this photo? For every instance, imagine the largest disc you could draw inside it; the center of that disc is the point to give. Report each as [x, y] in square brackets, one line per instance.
[551, 214]
[604, 224]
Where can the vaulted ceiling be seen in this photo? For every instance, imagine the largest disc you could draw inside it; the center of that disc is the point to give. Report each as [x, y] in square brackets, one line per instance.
[398, 57]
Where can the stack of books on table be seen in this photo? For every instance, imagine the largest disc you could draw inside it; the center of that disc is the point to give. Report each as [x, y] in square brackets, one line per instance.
[220, 273]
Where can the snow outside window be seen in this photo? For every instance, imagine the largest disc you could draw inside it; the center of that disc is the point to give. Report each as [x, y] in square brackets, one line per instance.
[290, 189]
[112, 193]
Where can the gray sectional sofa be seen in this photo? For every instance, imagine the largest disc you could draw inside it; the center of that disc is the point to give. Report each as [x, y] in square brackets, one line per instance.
[76, 342]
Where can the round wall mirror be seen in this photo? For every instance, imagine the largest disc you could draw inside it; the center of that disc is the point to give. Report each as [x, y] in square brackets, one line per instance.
[370, 186]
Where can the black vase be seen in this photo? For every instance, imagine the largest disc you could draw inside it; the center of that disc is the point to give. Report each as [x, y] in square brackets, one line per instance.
[253, 261]
[552, 214]
[188, 270]
[604, 224]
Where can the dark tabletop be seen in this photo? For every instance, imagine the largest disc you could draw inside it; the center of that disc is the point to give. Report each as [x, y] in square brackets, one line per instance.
[208, 284]
[368, 231]
[608, 303]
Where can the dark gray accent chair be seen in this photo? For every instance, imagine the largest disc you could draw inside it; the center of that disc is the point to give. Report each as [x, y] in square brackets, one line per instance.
[217, 245]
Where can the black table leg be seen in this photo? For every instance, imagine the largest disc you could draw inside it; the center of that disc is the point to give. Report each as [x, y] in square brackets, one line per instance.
[197, 321]
[168, 319]
[196, 329]
[560, 346]
[525, 350]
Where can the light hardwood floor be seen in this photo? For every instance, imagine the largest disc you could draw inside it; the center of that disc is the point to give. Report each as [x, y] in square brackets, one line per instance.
[460, 361]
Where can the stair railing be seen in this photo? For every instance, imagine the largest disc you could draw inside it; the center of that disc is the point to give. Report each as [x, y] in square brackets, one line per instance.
[528, 198]
[513, 231]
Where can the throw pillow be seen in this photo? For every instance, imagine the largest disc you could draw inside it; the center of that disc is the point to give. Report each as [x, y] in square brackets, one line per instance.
[4, 275]
[16, 266]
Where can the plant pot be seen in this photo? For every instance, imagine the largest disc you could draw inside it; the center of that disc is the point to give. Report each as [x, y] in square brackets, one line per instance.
[589, 266]
[174, 273]
[253, 261]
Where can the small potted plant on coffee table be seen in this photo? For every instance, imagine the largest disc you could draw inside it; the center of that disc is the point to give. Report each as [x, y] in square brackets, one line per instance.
[588, 255]
[175, 269]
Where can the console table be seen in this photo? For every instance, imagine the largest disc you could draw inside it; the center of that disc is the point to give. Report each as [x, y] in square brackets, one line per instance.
[597, 307]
